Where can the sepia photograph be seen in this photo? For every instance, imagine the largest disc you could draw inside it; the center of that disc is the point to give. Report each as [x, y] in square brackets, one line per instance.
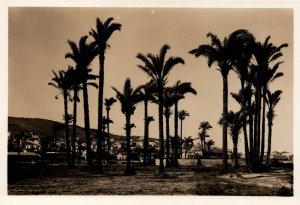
[151, 101]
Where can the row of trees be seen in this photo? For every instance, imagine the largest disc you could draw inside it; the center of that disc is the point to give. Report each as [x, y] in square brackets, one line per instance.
[239, 52]
[256, 65]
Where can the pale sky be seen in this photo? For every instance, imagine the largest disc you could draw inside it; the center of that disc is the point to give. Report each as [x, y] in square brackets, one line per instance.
[38, 42]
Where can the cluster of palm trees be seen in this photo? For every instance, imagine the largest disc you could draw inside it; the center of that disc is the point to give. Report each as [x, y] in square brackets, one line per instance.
[256, 65]
[240, 52]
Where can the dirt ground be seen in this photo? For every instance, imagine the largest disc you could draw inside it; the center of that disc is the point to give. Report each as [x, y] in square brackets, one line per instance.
[58, 180]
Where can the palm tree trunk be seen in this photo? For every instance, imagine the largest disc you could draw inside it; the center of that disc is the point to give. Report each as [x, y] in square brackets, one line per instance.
[161, 133]
[67, 128]
[128, 170]
[176, 134]
[225, 111]
[235, 163]
[244, 124]
[146, 132]
[251, 134]
[87, 124]
[262, 150]
[167, 141]
[258, 126]
[74, 128]
[99, 167]
[181, 139]
[269, 143]
[108, 134]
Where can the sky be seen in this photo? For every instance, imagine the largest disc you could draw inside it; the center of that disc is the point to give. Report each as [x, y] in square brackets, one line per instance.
[37, 44]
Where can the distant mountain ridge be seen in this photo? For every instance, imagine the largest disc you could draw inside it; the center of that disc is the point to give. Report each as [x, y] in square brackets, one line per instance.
[44, 127]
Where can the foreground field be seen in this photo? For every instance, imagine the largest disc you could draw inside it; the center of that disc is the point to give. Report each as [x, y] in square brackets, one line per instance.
[58, 180]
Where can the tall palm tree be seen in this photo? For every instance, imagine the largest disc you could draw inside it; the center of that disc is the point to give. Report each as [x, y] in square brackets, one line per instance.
[218, 52]
[241, 43]
[62, 82]
[76, 81]
[204, 127]
[128, 100]
[235, 122]
[101, 35]
[182, 114]
[83, 54]
[179, 90]
[272, 100]
[168, 102]
[265, 54]
[108, 103]
[158, 69]
[147, 93]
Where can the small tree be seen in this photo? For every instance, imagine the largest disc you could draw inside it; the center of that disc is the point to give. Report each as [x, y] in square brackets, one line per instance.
[235, 122]
[128, 100]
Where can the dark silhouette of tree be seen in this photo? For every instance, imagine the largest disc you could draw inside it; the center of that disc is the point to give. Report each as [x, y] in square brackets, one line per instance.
[235, 122]
[188, 144]
[218, 52]
[62, 82]
[265, 72]
[204, 127]
[108, 103]
[147, 93]
[272, 100]
[179, 90]
[83, 54]
[241, 43]
[128, 100]
[168, 102]
[101, 35]
[158, 69]
[106, 121]
[209, 143]
[75, 79]
[182, 114]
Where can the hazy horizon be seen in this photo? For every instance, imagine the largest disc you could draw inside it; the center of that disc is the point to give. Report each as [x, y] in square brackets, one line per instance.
[38, 42]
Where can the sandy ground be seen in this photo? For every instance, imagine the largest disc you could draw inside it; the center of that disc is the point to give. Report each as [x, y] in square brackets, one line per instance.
[57, 180]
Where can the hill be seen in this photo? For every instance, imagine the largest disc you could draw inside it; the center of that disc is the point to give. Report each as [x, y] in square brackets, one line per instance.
[45, 127]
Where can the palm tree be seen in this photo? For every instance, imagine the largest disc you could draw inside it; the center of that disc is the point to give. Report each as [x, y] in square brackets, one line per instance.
[101, 35]
[243, 98]
[128, 100]
[106, 121]
[209, 143]
[182, 114]
[75, 78]
[158, 69]
[272, 100]
[179, 90]
[235, 122]
[241, 43]
[83, 54]
[62, 82]
[204, 127]
[218, 52]
[265, 54]
[188, 144]
[168, 102]
[147, 93]
[108, 103]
